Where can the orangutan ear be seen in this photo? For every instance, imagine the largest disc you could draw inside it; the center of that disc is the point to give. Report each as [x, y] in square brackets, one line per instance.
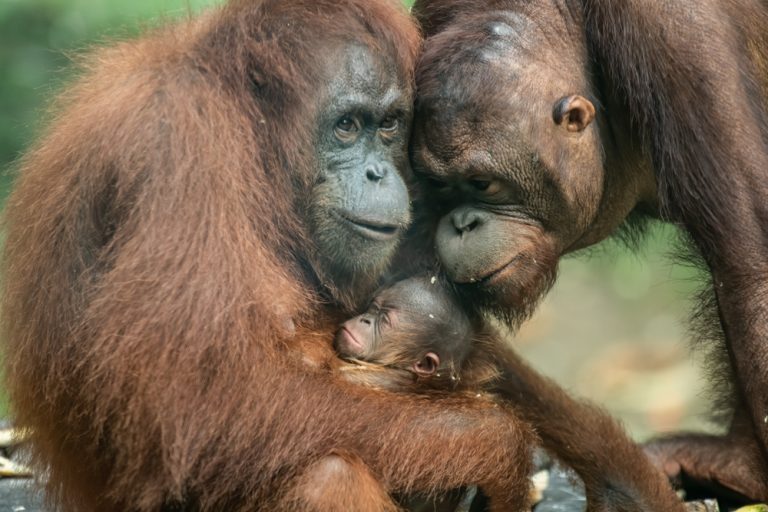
[573, 112]
[428, 365]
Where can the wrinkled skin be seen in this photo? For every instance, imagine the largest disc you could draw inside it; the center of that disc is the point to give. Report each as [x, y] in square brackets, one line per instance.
[513, 197]
[543, 126]
[360, 205]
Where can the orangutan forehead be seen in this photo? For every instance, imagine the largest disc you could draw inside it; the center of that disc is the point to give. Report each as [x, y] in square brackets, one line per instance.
[357, 75]
[486, 58]
[421, 296]
[505, 37]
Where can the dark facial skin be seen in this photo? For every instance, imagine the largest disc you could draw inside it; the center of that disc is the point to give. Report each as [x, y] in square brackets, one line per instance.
[413, 325]
[515, 169]
[512, 197]
[360, 204]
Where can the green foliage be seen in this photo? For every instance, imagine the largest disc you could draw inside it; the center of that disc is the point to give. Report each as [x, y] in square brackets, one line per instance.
[36, 37]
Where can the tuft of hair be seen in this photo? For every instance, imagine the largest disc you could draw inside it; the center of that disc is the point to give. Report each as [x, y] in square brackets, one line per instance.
[706, 333]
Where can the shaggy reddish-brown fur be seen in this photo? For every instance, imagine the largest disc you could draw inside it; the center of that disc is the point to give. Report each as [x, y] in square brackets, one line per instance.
[156, 259]
[617, 475]
[678, 90]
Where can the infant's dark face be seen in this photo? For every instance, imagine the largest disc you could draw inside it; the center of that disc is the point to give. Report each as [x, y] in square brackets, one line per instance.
[414, 324]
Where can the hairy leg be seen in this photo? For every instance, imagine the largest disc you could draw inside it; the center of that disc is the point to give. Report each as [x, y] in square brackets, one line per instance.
[499, 458]
[339, 481]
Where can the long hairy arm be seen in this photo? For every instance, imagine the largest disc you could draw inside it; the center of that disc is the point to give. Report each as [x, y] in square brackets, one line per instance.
[616, 473]
[147, 279]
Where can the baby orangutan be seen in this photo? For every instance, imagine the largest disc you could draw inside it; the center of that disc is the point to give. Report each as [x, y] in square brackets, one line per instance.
[415, 336]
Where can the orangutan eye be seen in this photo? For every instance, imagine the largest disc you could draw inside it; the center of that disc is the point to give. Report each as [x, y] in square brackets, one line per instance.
[486, 186]
[346, 126]
[481, 185]
[389, 124]
[384, 318]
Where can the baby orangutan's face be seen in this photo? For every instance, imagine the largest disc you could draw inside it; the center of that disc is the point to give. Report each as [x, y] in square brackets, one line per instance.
[412, 325]
[373, 336]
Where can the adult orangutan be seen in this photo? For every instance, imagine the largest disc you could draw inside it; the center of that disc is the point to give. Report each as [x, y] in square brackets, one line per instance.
[544, 125]
[205, 195]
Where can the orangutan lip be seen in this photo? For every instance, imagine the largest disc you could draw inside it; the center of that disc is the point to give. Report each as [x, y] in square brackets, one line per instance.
[368, 228]
[486, 279]
[351, 338]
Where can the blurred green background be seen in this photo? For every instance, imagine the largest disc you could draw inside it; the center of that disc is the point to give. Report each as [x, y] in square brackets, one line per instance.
[613, 329]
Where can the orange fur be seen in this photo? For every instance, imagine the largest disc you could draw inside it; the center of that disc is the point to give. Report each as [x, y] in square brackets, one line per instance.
[156, 257]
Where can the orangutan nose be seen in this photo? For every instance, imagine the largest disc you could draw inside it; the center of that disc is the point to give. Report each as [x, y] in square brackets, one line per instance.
[465, 220]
